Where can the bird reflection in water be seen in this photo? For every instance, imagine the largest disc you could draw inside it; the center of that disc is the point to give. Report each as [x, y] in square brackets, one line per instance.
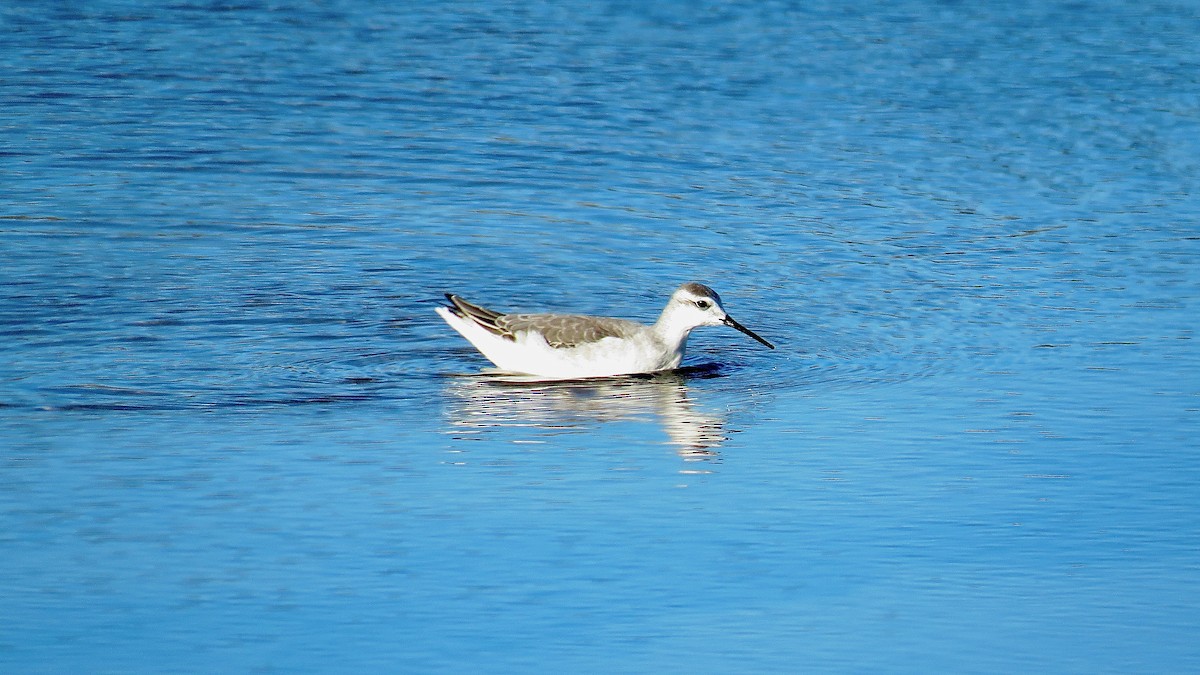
[492, 401]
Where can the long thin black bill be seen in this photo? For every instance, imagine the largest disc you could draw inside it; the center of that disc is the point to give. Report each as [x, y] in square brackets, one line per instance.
[733, 324]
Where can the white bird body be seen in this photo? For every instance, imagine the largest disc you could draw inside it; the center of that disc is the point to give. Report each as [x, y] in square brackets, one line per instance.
[565, 346]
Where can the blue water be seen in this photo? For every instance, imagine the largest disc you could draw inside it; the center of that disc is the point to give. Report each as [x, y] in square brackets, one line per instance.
[235, 437]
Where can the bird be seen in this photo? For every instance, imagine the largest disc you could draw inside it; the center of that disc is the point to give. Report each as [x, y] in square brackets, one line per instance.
[570, 346]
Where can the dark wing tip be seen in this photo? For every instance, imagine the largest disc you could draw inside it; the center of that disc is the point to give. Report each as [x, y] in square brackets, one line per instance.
[454, 305]
[482, 316]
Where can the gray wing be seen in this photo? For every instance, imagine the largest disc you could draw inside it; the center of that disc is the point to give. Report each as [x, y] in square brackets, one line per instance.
[565, 331]
[561, 331]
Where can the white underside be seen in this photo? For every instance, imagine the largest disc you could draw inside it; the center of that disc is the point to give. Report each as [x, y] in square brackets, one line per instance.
[530, 353]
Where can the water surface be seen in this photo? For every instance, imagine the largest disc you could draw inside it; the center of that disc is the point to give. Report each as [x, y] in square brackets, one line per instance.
[235, 436]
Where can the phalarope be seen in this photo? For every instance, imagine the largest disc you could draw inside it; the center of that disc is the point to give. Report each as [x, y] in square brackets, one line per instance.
[565, 346]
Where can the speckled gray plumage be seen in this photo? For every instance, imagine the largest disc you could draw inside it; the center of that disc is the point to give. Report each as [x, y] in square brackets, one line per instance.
[562, 331]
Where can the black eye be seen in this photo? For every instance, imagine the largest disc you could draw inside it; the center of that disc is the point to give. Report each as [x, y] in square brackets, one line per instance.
[703, 304]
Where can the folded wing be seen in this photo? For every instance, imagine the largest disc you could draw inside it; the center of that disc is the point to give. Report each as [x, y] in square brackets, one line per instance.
[561, 331]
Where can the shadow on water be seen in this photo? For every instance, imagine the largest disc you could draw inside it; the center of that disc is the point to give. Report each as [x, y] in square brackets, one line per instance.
[494, 401]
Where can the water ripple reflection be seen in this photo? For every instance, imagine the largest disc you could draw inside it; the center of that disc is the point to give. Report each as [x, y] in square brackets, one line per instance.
[491, 402]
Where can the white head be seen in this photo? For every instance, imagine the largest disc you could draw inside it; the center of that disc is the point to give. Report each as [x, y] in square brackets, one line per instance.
[694, 304]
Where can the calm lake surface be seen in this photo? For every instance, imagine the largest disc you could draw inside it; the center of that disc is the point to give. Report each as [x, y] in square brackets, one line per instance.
[235, 437]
